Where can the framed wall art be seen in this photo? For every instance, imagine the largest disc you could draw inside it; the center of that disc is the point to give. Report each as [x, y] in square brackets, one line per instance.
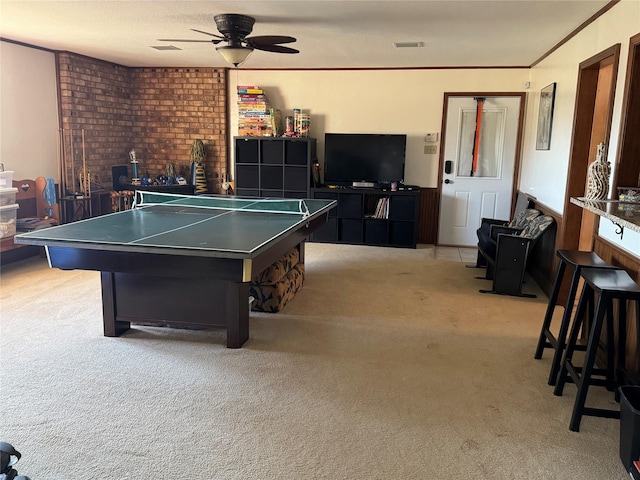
[545, 117]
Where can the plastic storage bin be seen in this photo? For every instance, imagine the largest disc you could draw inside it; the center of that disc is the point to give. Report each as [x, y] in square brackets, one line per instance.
[8, 215]
[8, 196]
[6, 179]
[629, 425]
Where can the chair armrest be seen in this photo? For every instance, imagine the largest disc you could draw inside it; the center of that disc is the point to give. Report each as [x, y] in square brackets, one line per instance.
[493, 221]
[503, 229]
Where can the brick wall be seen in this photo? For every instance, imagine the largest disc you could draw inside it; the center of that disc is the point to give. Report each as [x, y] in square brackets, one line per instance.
[94, 97]
[157, 111]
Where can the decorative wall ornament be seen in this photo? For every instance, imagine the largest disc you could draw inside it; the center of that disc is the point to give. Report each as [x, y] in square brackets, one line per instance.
[545, 117]
[598, 175]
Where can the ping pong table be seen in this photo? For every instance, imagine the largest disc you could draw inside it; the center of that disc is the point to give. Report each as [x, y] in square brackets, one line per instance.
[179, 260]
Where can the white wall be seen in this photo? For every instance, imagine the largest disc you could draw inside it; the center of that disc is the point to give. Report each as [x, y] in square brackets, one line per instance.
[29, 112]
[544, 173]
[375, 101]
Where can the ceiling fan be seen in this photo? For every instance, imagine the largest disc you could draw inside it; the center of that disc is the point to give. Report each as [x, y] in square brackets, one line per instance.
[234, 29]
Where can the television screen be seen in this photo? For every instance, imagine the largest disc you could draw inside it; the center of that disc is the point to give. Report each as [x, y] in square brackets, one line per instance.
[363, 157]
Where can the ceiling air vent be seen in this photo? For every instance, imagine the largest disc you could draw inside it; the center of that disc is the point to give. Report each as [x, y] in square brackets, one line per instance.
[408, 44]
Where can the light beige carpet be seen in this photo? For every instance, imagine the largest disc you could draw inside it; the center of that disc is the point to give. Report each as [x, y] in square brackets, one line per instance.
[387, 365]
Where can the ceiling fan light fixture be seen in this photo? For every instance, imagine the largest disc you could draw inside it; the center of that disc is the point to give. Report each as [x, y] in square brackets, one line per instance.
[235, 55]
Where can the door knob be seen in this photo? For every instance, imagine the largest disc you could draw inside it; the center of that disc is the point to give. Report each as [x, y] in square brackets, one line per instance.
[448, 181]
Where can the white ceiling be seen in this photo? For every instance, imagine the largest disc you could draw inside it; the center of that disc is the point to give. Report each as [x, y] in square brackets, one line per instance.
[330, 33]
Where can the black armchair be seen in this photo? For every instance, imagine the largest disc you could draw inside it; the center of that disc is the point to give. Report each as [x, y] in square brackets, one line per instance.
[507, 251]
[489, 229]
[520, 219]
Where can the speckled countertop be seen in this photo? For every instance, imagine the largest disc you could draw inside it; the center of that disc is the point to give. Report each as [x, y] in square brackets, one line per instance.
[624, 214]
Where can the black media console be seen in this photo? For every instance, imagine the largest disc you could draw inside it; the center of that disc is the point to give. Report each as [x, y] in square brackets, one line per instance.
[355, 220]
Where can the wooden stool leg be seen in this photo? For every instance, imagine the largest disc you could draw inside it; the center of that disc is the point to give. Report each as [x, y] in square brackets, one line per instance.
[567, 357]
[610, 373]
[618, 373]
[585, 376]
[564, 328]
[542, 340]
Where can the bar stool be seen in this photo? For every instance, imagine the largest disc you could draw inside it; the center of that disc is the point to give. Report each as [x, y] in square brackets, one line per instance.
[576, 260]
[609, 285]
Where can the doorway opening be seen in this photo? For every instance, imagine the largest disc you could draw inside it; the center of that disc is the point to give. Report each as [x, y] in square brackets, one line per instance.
[627, 171]
[591, 126]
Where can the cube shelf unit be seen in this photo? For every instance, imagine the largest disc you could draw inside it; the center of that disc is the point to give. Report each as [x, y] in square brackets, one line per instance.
[353, 222]
[274, 166]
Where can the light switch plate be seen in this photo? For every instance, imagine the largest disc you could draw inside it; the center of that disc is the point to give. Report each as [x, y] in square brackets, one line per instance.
[430, 149]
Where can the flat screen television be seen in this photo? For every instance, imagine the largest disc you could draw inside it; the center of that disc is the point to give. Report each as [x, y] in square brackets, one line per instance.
[363, 157]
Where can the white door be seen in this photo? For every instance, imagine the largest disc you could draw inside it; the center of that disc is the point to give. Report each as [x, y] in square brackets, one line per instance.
[477, 175]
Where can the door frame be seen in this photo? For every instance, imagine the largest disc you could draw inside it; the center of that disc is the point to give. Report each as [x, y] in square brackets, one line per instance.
[627, 162]
[588, 71]
[519, 139]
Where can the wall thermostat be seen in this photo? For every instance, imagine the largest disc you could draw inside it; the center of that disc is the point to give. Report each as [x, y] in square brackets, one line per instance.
[431, 137]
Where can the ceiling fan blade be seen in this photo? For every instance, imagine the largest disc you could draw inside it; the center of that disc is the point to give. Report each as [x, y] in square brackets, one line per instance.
[273, 48]
[183, 40]
[263, 39]
[207, 33]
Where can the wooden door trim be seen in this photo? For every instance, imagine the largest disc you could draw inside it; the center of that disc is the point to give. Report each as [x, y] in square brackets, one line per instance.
[630, 112]
[580, 138]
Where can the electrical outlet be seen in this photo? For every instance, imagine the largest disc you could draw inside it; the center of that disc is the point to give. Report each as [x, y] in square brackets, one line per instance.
[430, 149]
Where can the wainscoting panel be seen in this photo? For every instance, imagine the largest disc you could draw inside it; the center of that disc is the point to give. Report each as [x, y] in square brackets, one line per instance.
[428, 221]
[543, 263]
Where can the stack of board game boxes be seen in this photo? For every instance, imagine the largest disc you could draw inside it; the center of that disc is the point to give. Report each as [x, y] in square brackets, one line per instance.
[256, 118]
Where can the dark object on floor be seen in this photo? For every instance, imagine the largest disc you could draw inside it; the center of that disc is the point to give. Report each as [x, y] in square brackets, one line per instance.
[630, 427]
[9, 456]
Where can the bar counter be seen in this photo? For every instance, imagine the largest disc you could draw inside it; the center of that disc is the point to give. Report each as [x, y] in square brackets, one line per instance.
[622, 214]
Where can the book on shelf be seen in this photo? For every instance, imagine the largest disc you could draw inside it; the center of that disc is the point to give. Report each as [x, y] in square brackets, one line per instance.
[250, 103]
[255, 114]
[382, 209]
[246, 111]
[251, 96]
[256, 91]
[254, 132]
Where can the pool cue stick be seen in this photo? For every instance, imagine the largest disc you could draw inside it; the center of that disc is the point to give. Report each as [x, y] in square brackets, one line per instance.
[73, 163]
[64, 162]
[59, 161]
[88, 180]
[85, 189]
[84, 165]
